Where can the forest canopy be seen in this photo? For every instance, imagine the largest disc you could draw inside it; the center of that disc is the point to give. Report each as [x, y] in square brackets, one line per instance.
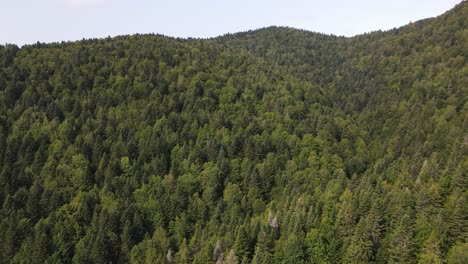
[275, 145]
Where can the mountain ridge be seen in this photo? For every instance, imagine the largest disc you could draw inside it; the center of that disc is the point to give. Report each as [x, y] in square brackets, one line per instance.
[399, 28]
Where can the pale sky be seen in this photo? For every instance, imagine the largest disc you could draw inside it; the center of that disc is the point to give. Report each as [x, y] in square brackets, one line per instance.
[29, 21]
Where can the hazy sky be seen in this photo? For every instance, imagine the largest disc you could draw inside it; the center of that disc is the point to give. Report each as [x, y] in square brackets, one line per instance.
[29, 21]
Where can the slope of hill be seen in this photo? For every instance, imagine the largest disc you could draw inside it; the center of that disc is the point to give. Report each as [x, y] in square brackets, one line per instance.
[268, 146]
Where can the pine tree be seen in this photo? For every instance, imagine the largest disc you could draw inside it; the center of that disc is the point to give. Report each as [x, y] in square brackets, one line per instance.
[401, 244]
[264, 248]
[317, 248]
[430, 252]
[183, 256]
[218, 254]
[232, 258]
[458, 254]
[360, 249]
[345, 219]
[242, 244]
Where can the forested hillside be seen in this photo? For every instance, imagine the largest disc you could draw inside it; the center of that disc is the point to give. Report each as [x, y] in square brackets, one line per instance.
[269, 146]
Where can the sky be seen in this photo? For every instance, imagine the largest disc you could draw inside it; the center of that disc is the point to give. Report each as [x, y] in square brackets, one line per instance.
[28, 21]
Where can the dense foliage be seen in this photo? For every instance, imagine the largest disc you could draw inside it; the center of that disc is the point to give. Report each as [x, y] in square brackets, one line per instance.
[269, 146]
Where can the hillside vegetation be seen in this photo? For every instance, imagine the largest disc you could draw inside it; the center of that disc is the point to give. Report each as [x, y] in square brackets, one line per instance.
[269, 146]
